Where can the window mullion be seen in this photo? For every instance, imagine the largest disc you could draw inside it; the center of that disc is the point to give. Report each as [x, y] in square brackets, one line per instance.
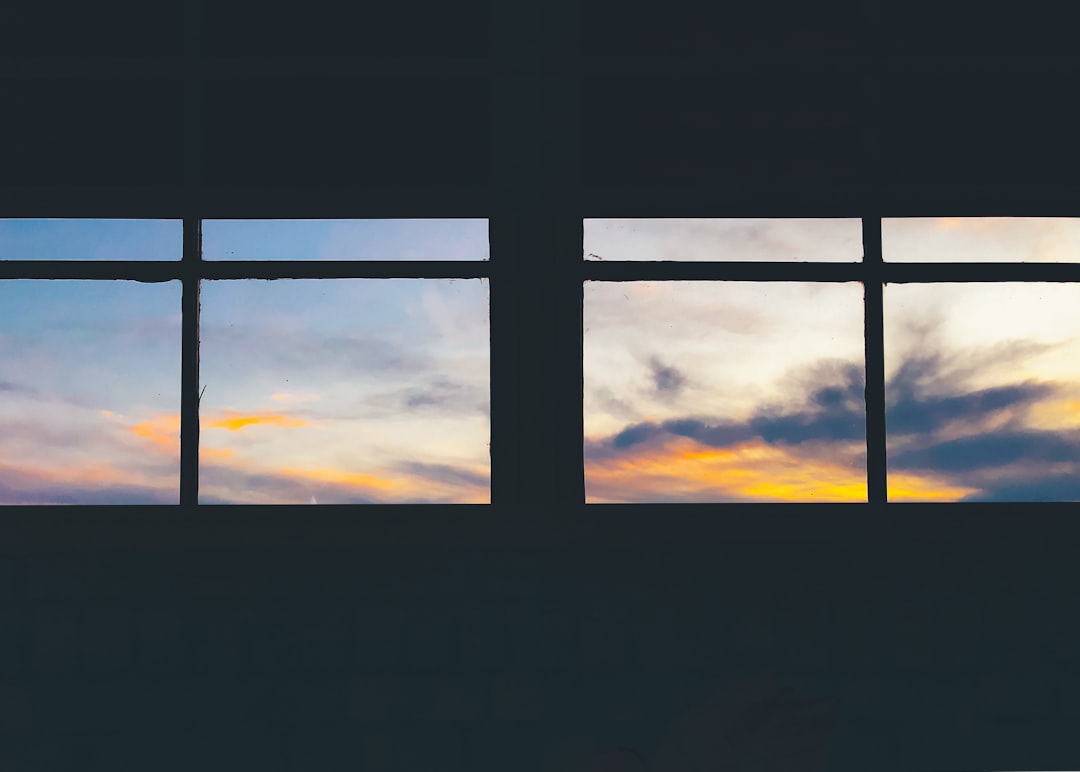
[189, 367]
[874, 332]
[536, 371]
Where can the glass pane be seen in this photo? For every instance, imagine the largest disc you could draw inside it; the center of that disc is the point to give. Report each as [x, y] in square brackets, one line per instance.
[45, 239]
[344, 391]
[721, 240]
[983, 391]
[981, 239]
[89, 392]
[345, 239]
[724, 391]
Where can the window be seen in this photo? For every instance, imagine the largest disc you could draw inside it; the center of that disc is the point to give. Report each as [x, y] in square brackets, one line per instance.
[724, 360]
[725, 371]
[541, 120]
[358, 374]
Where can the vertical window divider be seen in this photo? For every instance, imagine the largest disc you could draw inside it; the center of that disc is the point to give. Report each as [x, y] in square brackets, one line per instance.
[874, 341]
[536, 364]
[189, 365]
[192, 257]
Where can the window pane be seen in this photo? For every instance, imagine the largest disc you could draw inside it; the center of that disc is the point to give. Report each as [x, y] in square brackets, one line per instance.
[344, 391]
[345, 239]
[724, 391]
[983, 391]
[46, 239]
[89, 392]
[757, 240]
[981, 239]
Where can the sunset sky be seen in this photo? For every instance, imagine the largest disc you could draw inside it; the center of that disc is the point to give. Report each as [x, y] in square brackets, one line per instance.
[331, 391]
[365, 390]
[732, 391]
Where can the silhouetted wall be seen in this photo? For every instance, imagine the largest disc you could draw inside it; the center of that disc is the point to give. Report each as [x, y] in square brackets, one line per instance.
[235, 647]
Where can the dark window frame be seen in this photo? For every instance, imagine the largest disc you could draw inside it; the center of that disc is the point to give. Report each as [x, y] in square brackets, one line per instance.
[535, 203]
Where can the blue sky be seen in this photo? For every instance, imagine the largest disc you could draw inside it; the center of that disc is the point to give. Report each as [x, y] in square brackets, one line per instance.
[345, 240]
[329, 391]
[44, 239]
[84, 364]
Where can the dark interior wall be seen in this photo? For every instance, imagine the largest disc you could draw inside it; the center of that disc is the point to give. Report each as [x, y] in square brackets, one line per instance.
[531, 638]
[169, 647]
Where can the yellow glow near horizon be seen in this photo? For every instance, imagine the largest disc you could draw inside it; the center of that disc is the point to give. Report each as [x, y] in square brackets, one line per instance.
[749, 470]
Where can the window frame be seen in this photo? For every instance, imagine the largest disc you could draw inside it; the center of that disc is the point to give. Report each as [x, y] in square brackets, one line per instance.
[873, 273]
[535, 203]
[514, 312]
[191, 270]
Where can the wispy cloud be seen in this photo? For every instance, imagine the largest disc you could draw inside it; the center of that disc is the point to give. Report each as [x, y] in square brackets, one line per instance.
[283, 396]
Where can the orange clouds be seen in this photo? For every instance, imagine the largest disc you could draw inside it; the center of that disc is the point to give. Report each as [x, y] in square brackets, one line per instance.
[163, 430]
[233, 421]
[913, 487]
[278, 484]
[685, 470]
[339, 477]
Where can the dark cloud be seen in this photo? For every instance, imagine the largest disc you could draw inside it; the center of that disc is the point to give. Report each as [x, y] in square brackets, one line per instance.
[833, 411]
[284, 489]
[926, 391]
[1055, 487]
[443, 473]
[996, 454]
[911, 413]
[666, 378]
[716, 435]
[445, 395]
[635, 435]
[991, 450]
[9, 387]
[245, 486]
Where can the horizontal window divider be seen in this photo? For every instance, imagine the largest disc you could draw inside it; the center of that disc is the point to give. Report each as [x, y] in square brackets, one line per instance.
[890, 273]
[596, 270]
[159, 271]
[130, 270]
[344, 269]
[900, 273]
